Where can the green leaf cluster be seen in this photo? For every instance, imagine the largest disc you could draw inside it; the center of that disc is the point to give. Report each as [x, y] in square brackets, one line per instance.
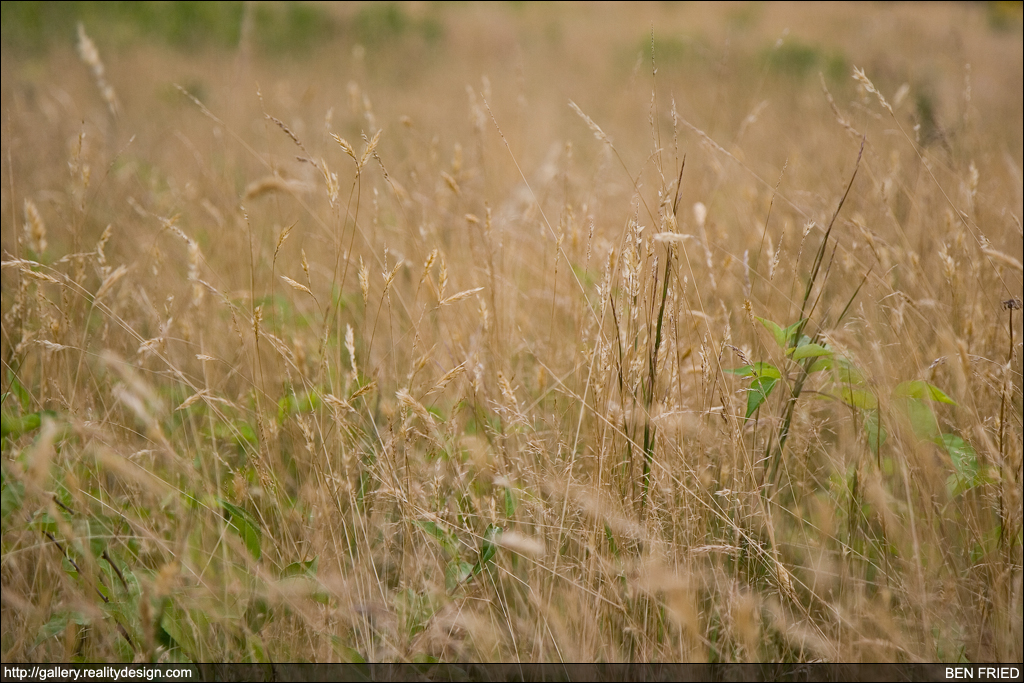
[458, 571]
[912, 400]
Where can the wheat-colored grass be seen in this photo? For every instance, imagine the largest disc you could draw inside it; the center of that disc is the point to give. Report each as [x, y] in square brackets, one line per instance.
[460, 389]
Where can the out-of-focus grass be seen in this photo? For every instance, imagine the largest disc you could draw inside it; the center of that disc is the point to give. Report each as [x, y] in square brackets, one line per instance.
[334, 332]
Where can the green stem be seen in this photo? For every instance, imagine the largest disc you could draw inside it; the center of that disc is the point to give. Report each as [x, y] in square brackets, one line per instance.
[650, 429]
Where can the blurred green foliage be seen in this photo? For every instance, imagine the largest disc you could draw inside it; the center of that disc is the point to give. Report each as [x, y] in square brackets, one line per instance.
[1005, 16]
[278, 27]
[380, 23]
[797, 60]
[670, 50]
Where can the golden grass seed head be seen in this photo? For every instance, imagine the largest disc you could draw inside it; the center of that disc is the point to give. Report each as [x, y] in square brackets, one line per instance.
[865, 83]
[371, 146]
[257, 318]
[453, 185]
[296, 285]
[364, 281]
[442, 278]
[35, 229]
[350, 346]
[110, 280]
[428, 263]
[91, 57]
[389, 277]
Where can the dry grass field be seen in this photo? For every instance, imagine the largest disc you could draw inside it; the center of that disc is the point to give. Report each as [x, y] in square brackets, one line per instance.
[512, 332]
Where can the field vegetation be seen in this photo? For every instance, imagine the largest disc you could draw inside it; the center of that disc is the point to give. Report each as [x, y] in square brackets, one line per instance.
[512, 332]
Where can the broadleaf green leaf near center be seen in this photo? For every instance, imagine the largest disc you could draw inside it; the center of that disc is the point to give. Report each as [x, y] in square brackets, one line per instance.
[758, 393]
[921, 390]
[810, 351]
[488, 548]
[247, 528]
[965, 459]
[783, 336]
[442, 535]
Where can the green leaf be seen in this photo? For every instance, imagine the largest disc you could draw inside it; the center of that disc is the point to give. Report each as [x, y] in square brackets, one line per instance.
[844, 372]
[823, 363]
[922, 419]
[859, 398]
[101, 529]
[777, 332]
[510, 502]
[58, 623]
[783, 336]
[488, 548]
[758, 369]
[875, 431]
[247, 528]
[257, 614]
[12, 492]
[758, 393]
[348, 654]
[456, 573]
[442, 535]
[955, 485]
[300, 569]
[920, 389]
[20, 391]
[847, 372]
[810, 351]
[965, 459]
[293, 404]
[238, 431]
[766, 370]
[44, 523]
[989, 543]
[177, 632]
[13, 426]
[611, 540]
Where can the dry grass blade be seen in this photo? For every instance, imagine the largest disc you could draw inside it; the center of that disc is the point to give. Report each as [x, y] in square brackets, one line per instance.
[274, 184]
[594, 128]
[1003, 258]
